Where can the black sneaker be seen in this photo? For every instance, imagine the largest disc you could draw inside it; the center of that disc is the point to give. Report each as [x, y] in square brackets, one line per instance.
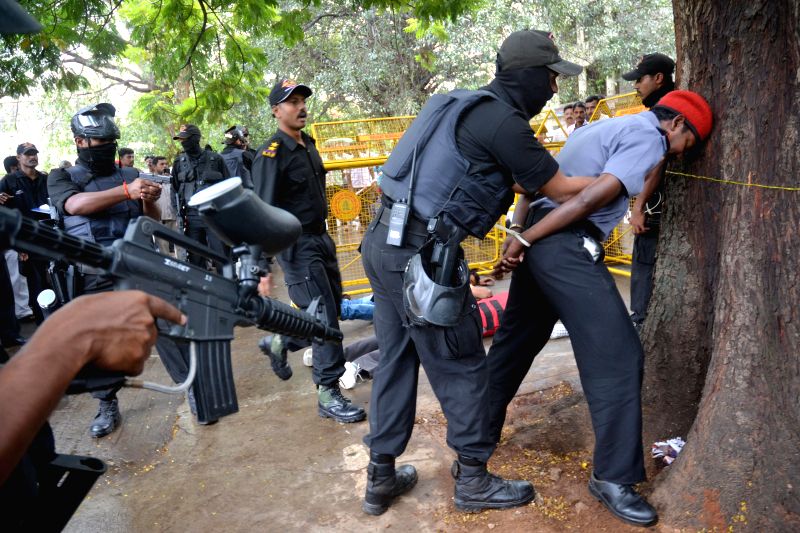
[273, 347]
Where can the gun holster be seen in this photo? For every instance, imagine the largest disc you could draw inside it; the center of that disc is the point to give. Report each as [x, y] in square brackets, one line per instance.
[66, 280]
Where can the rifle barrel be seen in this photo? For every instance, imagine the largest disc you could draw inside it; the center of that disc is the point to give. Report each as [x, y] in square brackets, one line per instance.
[34, 237]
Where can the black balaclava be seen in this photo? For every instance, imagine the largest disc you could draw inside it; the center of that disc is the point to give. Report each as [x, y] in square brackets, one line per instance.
[652, 99]
[100, 160]
[191, 145]
[526, 89]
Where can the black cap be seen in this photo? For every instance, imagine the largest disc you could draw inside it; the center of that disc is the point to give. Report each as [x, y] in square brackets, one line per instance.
[14, 19]
[186, 131]
[651, 64]
[26, 148]
[286, 87]
[533, 48]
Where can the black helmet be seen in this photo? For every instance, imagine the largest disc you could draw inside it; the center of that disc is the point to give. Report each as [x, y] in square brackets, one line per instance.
[95, 122]
[428, 303]
[235, 133]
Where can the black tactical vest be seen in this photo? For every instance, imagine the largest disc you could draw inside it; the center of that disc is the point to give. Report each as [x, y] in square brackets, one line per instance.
[105, 226]
[444, 185]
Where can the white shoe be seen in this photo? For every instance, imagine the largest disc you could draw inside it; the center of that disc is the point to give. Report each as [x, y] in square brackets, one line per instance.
[308, 357]
[559, 331]
[350, 376]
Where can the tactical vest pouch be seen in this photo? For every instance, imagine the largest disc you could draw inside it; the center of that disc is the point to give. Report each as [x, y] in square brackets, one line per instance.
[478, 201]
[211, 176]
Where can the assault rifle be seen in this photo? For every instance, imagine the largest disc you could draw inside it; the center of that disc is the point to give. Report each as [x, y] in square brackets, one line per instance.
[213, 303]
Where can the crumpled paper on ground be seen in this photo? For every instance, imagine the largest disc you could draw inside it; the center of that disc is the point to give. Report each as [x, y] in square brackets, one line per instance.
[667, 451]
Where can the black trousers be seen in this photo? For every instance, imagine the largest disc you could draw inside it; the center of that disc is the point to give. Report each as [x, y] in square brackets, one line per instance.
[559, 279]
[453, 358]
[35, 272]
[9, 326]
[364, 352]
[196, 229]
[642, 267]
[310, 269]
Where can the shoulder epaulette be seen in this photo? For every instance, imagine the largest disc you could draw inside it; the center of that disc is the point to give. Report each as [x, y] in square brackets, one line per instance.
[271, 150]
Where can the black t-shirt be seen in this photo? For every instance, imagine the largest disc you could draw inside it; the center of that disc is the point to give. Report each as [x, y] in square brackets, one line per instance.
[291, 176]
[493, 135]
[60, 187]
[27, 193]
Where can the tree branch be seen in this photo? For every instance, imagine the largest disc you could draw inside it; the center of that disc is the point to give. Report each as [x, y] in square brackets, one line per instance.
[199, 35]
[140, 85]
[312, 23]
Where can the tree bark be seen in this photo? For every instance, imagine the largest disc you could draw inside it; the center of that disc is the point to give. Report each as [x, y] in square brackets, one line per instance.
[722, 332]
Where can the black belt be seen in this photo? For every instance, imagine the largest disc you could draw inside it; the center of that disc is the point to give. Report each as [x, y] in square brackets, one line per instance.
[539, 213]
[414, 226]
[416, 231]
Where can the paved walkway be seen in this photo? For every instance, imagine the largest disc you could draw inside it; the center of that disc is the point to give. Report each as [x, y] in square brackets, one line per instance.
[274, 466]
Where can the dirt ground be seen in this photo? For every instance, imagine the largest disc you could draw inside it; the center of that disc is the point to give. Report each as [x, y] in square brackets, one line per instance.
[277, 466]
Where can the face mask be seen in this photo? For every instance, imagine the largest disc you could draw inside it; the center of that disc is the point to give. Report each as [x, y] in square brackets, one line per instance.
[527, 89]
[99, 159]
[192, 146]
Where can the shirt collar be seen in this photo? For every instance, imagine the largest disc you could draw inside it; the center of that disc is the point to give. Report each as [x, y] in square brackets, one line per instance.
[289, 141]
[652, 119]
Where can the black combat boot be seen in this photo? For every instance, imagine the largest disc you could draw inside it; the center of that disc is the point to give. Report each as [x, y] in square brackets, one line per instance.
[106, 420]
[384, 483]
[273, 347]
[477, 489]
[332, 404]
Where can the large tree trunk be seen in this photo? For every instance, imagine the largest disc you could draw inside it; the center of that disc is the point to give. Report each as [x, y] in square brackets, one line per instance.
[723, 330]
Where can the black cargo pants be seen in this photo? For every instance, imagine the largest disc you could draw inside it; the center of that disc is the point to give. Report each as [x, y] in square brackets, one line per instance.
[453, 358]
[310, 269]
[559, 279]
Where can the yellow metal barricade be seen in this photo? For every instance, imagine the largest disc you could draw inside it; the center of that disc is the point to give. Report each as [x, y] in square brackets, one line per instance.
[617, 106]
[358, 143]
[547, 128]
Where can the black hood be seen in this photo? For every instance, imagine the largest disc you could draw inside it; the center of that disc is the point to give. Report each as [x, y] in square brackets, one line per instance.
[526, 89]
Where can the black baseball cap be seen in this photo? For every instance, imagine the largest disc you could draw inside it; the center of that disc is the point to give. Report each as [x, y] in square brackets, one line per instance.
[284, 88]
[14, 19]
[533, 48]
[186, 131]
[651, 64]
[26, 148]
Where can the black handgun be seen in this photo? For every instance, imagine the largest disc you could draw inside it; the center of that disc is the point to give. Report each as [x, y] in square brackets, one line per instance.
[155, 178]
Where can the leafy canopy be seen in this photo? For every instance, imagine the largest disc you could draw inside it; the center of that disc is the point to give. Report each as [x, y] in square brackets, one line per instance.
[192, 58]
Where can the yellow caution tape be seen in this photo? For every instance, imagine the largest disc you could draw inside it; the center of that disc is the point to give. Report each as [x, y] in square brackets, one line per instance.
[732, 182]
